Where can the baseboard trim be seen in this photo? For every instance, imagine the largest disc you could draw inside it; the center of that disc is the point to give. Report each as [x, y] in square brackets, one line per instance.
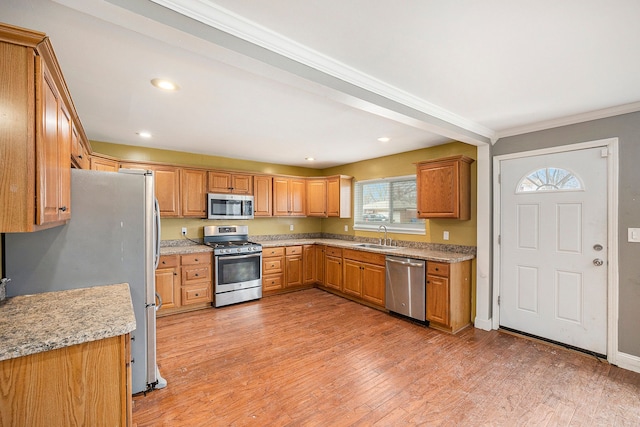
[628, 361]
[484, 324]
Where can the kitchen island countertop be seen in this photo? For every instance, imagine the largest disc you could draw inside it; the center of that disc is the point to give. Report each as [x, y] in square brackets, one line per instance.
[47, 321]
[417, 253]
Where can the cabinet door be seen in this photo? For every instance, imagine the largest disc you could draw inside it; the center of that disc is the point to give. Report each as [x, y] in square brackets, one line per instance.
[352, 278]
[242, 184]
[438, 190]
[168, 287]
[333, 197]
[438, 299]
[320, 264]
[308, 264]
[47, 173]
[64, 163]
[293, 270]
[219, 182]
[194, 193]
[262, 195]
[373, 284]
[297, 189]
[317, 197]
[167, 181]
[280, 196]
[333, 272]
[104, 165]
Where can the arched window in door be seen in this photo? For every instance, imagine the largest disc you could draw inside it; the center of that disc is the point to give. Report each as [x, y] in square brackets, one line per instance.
[549, 179]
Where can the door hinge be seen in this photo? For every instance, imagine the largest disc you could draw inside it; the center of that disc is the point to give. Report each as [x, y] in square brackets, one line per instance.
[499, 239]
[604, 152]
[499, 178]
[498, 299]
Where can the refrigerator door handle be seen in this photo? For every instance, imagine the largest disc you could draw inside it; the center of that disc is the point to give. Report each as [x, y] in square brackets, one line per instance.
[156, 215]
[159, 305]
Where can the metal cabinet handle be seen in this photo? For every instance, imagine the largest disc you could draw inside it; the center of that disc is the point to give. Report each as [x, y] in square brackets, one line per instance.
[63, 208]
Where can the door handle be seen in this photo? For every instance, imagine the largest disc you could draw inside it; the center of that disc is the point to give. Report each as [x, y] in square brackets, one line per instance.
[598, 262]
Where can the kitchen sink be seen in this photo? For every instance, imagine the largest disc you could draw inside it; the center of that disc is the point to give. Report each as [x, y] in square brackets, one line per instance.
[374, 246]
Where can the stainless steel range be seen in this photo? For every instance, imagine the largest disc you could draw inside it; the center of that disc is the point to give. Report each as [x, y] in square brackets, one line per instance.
[237, 264]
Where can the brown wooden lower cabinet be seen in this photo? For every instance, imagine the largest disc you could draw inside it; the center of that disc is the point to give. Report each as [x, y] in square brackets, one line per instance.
[86, 384]
[449, 295]
[287, 268]
[333, 268]
[184, 282]
[272, 270]
[364, 276]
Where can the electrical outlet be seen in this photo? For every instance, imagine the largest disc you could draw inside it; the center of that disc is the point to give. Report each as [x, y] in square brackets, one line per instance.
[346, 228]
[291, 227]
[445, 235]
[184, 231]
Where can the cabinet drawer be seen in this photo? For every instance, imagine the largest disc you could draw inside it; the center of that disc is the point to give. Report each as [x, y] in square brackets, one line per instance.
[438, 269]
[336, 252]
[196, 273]
[362, 256]
[272, 265]
[199, 258]
[293, 250]
[267, 252]
[272, 282]
[168, 261]
[196, 293]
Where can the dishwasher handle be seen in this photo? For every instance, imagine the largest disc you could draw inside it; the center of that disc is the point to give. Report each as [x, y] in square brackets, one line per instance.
[406, 263]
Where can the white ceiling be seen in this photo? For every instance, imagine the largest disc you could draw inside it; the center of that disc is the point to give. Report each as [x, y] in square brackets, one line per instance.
[281, 80]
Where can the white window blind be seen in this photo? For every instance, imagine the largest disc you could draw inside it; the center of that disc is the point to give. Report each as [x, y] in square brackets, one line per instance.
[390, 202]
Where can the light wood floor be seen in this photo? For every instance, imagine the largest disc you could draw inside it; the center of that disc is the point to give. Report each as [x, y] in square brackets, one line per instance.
[310, 358]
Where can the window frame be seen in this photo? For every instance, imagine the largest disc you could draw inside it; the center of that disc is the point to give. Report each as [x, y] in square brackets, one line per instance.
[418, 228]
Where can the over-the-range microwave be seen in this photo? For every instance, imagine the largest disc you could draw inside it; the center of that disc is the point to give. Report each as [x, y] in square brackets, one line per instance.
[229, 206]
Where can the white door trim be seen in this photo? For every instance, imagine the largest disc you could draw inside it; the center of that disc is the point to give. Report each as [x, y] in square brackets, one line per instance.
[611, 145]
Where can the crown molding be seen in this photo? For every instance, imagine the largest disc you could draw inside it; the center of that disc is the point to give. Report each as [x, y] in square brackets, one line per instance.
[238, 26]
[569, 120]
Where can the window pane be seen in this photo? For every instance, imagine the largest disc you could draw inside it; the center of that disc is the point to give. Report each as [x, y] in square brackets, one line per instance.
[389, 202]
[549, 179]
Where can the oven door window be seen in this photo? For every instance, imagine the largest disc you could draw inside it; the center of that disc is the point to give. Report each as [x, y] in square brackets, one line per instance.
[237, 269]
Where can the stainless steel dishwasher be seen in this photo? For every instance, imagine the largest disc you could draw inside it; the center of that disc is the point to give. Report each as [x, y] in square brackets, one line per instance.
[405, 287]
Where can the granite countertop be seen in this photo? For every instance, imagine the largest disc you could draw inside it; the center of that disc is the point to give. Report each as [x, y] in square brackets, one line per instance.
[408, 252]
[41, 322]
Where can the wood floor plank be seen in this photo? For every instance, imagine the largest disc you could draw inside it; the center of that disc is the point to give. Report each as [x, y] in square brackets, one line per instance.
[310, 358]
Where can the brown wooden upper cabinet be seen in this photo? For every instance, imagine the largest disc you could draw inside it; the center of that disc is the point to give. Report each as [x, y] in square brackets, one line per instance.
[167, 187]
[444, 188]
[194, 193]
[262, 195]
[329, 197]
[233, 183]
[288, 196]
[104, 164]
[36, 137]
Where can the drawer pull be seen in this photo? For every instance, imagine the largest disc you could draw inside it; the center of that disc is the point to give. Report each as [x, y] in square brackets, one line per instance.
[196, 274]
[197, 295]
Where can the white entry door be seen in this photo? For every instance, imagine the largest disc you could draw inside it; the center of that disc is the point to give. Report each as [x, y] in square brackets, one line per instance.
[553, 247]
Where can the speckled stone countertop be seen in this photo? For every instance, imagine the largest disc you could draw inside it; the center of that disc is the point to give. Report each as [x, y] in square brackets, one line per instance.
[41, 322]
[428, 254]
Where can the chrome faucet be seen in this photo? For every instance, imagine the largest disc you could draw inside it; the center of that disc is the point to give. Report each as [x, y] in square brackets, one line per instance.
[385, 234]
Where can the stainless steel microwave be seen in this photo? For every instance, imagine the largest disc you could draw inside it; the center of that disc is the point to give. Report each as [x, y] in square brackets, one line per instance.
[229, 206]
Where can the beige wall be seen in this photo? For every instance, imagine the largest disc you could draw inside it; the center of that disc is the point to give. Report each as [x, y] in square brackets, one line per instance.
[460, 232]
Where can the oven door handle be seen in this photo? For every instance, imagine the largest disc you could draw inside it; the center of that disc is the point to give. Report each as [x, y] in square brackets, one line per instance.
[240, 256]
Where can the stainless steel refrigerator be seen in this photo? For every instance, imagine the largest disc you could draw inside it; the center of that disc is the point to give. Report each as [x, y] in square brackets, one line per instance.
[113, 237]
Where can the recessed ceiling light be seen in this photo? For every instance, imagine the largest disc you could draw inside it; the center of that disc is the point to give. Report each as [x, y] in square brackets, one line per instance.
[384, 139]
[309, 159]
[144, 134]
[165, 84]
